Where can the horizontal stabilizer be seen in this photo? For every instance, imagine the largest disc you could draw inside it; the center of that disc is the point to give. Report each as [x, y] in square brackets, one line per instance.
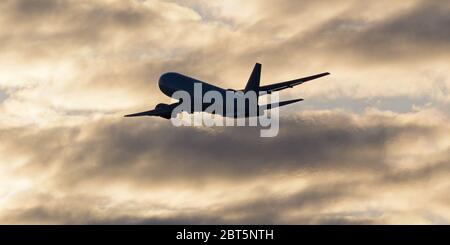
[290, 84]
[279, 104]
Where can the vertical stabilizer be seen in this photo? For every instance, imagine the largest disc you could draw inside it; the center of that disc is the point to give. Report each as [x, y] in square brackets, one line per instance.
[253, 81]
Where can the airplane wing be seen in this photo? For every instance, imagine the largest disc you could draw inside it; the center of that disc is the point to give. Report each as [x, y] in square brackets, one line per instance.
[145, 113]
[279, 104]
[289, 84]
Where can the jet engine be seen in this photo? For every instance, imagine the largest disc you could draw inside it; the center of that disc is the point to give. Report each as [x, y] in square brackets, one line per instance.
[164, 107]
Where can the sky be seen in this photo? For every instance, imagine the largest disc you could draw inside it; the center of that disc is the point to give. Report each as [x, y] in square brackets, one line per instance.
[370, 144]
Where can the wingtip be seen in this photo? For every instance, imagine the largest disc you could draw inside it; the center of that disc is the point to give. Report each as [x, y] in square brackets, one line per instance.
[134, 115]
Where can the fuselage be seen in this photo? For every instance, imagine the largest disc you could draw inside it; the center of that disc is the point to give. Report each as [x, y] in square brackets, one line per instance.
[170, 83]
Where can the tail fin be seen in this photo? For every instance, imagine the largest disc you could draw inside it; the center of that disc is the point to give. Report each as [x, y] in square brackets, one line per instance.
[253, 81]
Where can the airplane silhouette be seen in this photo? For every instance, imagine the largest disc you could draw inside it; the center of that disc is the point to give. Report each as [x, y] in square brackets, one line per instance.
[171, 82]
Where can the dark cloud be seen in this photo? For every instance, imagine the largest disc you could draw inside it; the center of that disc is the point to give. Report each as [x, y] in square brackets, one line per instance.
[44, 29]
[423, 174]
[151, 154]
[265, 209]
[24, 10]
[418, 34]
[145, 152]
[401, 36]
[93, 16]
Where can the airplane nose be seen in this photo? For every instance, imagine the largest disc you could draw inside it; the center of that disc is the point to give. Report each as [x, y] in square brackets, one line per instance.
[163, 79]
[164, 82]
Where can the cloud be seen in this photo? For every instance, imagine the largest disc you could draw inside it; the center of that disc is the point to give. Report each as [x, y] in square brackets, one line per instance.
[355, 152]
[404, 35]
[159, 152]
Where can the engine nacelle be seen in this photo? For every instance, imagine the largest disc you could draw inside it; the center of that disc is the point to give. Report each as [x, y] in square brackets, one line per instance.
[164, 107]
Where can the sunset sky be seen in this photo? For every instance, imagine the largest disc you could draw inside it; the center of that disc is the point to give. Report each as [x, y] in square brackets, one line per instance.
[369, 145]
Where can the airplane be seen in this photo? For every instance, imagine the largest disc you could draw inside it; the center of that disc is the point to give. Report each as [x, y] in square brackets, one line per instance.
[171, 82]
